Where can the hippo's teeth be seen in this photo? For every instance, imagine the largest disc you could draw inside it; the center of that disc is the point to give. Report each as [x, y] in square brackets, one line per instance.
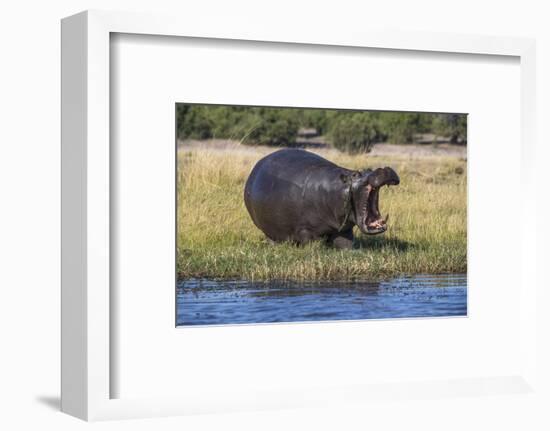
[386, 218]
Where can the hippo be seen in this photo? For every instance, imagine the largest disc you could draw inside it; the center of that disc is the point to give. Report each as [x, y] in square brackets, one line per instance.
[298, 196]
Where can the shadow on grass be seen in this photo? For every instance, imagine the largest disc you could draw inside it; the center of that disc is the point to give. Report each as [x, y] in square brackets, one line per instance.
[380, 243]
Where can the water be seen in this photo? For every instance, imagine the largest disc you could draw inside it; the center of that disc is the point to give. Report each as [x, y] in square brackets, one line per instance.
[212, 302]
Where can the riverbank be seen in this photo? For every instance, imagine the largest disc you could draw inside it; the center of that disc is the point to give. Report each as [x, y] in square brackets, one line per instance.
[217, 239]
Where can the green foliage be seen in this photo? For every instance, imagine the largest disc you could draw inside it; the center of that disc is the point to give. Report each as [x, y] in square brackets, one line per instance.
[451, 125]
[266, 126]
[194, 122]
[354, 133]
[317, 119]
[204, 122]
[273, 126]
[349, 131]
[401, 127]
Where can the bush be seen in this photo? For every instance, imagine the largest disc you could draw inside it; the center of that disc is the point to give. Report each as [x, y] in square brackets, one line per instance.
[349, 131]
[353, 132]
[452, 126]
[254, 126]
[400, 127]
[194, 122]
[271, 126]
[317, 119]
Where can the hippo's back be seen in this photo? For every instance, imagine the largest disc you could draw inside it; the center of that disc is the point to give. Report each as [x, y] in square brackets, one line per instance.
[274, 192]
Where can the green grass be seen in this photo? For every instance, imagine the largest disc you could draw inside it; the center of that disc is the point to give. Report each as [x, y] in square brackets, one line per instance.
[217, 239]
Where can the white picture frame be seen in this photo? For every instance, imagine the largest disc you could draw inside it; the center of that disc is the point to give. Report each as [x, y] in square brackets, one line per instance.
[86, 313]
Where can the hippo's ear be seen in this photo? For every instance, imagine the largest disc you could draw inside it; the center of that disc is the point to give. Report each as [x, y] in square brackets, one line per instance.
[349, 178]
[346, 179]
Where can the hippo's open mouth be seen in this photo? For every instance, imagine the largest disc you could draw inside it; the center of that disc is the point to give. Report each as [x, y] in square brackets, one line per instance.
[371, 222]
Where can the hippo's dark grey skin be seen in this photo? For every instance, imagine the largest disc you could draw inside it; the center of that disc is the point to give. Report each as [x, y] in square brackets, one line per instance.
[294, 195]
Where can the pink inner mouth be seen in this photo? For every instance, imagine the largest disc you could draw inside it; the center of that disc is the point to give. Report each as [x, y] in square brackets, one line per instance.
[377, 224]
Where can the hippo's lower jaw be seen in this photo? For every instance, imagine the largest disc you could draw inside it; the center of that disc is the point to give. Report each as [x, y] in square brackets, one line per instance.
[379, 225]
[377, 230]
[372, 230]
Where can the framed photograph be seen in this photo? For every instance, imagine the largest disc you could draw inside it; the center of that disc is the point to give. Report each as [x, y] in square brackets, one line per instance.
[259, 219]
[271, 227]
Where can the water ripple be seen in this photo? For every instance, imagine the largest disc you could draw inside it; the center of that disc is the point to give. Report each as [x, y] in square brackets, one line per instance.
[215, 302]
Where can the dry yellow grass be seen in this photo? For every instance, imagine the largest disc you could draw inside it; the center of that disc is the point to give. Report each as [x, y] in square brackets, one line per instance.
[217, 239]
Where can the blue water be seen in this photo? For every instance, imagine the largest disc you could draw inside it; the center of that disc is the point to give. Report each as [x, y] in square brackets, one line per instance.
[212, 302]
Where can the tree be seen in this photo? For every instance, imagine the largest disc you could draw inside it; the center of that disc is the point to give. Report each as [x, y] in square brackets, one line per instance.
[400, 127]
[453, 126]
[273, 126]
[353, 132]
[194, 122]
[349, 131]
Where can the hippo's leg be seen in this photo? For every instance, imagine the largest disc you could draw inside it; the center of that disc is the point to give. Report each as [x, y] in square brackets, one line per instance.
[342, 239]
[303, 236]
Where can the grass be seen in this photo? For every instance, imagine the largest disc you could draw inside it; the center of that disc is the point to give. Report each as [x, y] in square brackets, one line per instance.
[217, 239]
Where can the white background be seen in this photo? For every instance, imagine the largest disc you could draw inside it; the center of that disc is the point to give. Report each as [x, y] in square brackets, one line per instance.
[29, 227]
[203, 360]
